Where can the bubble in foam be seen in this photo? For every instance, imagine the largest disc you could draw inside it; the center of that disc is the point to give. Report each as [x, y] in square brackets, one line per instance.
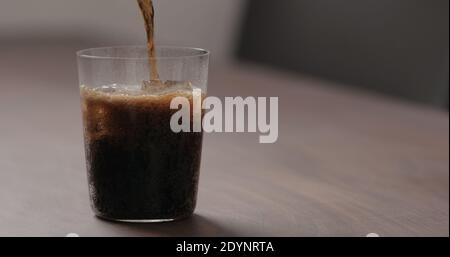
[108, 89]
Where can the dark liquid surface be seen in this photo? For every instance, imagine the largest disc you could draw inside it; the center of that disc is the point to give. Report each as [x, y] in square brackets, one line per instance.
[138, 168]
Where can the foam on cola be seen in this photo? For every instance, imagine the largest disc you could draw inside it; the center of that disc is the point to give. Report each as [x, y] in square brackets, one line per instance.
[138, 168]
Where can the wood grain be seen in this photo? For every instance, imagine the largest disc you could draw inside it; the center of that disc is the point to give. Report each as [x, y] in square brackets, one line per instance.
[346, 163]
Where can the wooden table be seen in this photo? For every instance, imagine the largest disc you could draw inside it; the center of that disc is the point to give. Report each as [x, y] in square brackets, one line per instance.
[347, 163]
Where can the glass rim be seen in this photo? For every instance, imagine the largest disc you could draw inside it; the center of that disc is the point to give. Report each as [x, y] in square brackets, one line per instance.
[198, 52]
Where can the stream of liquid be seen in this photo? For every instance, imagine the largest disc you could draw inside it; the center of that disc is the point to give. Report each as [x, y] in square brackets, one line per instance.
[148, 13]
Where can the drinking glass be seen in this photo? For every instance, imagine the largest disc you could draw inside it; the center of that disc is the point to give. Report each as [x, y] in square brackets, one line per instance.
[139, 169]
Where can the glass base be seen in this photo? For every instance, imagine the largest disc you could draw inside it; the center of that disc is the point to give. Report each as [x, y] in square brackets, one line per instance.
[142, 220]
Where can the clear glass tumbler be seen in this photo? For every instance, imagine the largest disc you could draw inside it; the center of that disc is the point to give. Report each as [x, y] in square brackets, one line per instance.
[139, 170]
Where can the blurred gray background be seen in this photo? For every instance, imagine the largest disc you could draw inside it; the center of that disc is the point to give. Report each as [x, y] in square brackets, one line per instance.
[211, 24]
[395, 47]
[398, 48]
